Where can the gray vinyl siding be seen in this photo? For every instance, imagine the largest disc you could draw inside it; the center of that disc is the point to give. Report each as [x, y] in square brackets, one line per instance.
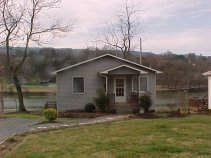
[152, 89]
[66, 100]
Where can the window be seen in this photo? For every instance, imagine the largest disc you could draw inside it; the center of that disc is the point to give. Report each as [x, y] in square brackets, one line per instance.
[78, 85]
[120, 87]
[135, 84]
[143, 83]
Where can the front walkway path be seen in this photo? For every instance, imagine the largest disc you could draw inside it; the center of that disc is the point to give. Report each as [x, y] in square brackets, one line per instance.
[10, 126]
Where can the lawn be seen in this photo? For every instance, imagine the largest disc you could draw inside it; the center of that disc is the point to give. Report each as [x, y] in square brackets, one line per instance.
[166, 137]
[39, 117]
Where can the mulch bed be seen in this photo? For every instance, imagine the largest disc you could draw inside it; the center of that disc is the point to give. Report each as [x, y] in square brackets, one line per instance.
[152, 115]
[145, 116]
[81, 114]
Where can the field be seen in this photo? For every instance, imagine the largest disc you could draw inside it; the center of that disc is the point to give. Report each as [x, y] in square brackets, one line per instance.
[165, 137]
[30, 89]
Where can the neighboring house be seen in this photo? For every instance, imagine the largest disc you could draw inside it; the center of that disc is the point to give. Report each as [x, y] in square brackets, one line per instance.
[208, 74]
[122, 80]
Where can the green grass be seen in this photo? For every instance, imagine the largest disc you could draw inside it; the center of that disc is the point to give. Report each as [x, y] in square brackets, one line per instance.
[175, 137]
[38, 117]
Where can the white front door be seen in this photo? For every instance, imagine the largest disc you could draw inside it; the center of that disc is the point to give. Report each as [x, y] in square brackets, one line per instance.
[120, 89]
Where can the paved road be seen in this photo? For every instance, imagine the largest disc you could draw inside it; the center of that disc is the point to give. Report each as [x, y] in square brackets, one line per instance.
[10, 126]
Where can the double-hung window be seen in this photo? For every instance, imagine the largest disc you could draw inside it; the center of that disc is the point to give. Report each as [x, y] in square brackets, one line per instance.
[78, 85]
[143, 83]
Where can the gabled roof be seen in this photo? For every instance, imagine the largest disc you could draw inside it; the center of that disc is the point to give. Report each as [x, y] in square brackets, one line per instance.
[113, 56]
[118, 67]
[208, 73]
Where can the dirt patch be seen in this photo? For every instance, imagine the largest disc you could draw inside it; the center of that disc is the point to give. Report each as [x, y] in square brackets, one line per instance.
[10, 143]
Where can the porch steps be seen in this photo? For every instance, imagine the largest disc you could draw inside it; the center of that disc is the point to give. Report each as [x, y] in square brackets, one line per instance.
[123, 108]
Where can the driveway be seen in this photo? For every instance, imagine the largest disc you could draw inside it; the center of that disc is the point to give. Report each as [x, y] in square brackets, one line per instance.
[10, 126]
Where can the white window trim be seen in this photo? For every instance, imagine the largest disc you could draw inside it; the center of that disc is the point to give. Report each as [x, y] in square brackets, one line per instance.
[147, 84]
[84, 84]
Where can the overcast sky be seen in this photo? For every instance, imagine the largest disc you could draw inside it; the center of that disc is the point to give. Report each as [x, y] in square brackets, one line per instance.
[181, 26]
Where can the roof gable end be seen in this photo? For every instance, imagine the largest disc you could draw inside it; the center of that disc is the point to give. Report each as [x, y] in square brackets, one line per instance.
[102, 56]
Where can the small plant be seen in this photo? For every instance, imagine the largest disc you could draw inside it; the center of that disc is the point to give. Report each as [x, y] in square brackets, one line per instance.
[50, 114]
[89, 107]
[101, 99]
[145, 102]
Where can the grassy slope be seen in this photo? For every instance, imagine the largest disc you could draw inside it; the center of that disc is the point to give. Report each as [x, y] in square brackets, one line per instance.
[183, 137]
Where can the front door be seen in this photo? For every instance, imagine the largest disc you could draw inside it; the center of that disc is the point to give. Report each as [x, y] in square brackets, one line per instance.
[120, 89]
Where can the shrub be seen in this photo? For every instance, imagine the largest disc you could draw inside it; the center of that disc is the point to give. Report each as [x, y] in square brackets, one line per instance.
[50, 114]
[145, 102]
[89, 107]
[101, 99]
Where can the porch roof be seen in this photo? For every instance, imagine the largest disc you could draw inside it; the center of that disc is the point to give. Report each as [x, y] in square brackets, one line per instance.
[207, 73]
[123, 66]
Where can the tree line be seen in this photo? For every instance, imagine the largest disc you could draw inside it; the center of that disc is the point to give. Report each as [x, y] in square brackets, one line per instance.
[177, 69]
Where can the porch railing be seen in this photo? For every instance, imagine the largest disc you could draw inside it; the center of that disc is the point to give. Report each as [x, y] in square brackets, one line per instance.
[111, 101]
[134, 101]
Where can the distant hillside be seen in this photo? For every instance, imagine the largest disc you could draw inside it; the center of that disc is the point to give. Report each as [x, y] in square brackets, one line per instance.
[177, 69]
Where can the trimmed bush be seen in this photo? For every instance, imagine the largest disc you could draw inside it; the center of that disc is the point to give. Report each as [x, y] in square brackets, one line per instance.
[89, 107]
[50, 114]
[101, 99]
[145, 102]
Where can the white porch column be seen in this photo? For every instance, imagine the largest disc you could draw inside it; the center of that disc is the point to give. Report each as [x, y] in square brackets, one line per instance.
[209, 92]
[106, 84]
[208, 74]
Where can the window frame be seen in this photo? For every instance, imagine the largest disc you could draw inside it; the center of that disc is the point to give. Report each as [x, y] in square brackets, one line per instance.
[147, 78]
[73, 84]
[139, 89]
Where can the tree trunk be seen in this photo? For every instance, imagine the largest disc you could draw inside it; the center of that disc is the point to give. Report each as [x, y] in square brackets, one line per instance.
[19, 93]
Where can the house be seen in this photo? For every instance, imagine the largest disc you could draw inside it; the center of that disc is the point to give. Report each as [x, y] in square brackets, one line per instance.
[122, 80]
[208, 74]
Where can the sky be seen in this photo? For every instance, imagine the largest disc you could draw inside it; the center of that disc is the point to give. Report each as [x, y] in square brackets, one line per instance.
[180, 26]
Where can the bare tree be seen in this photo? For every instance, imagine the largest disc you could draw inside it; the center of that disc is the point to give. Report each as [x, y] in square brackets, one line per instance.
[126, 27]
[21, 24]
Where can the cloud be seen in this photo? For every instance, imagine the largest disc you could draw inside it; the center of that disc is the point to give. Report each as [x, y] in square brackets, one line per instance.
[196, 41]
[89, 15]
[163, 9]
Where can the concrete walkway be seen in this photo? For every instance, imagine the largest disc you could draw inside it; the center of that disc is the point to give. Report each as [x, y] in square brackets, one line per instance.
[10, 126]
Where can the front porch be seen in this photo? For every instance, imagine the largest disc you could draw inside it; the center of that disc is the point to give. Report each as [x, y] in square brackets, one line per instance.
[131, 105]
[123, 87]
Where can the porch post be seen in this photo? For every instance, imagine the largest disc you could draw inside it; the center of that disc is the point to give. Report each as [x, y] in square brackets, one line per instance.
[106, 85]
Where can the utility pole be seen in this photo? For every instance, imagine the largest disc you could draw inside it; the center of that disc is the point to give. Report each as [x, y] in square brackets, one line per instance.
[140, 51]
